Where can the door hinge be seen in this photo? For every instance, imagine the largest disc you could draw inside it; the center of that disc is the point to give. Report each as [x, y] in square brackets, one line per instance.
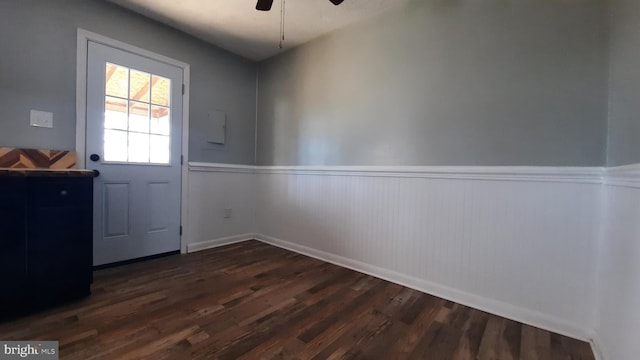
[180, 230]
[182, 89]
[181, 159]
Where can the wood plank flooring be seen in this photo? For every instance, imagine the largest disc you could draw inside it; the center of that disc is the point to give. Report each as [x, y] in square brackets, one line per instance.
[255, 301]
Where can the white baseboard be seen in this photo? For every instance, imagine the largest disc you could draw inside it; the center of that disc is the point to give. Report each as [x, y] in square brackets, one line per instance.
[502, 309]
[209, 244]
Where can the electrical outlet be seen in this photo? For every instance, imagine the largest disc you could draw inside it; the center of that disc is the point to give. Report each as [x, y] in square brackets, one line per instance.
[227, 213]
[41, 119]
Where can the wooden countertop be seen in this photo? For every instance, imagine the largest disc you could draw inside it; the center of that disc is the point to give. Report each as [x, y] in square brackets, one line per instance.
[5, 172]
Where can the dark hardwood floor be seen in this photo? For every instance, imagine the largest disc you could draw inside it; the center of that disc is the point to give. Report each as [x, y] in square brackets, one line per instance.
[255, 301]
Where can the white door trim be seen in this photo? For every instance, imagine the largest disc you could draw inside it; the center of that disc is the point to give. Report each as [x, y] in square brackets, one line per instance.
[84, 37]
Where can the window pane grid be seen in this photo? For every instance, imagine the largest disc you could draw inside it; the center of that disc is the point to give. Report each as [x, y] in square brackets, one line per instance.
[137, 117]
[118, 97]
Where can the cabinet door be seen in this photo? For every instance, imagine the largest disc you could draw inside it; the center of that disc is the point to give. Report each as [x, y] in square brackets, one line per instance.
[60, 235]
[13, 254]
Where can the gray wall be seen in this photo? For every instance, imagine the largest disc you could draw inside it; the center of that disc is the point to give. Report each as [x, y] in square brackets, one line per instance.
[38, 71]
[618, 315]
[624, 86]
[443, 83]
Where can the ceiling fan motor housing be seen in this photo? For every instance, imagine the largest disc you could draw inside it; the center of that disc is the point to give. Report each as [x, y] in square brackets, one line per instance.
[265, 5]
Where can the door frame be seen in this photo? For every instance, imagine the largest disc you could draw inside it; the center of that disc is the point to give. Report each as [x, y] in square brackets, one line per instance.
[84, 36]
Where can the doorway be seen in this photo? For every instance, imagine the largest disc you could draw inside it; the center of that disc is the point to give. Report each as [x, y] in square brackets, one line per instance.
[134, 123]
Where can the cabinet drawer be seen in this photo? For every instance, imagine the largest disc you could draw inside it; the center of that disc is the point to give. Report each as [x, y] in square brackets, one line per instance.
[56, 192]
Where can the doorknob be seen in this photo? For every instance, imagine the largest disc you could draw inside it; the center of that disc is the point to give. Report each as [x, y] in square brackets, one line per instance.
[94, 157]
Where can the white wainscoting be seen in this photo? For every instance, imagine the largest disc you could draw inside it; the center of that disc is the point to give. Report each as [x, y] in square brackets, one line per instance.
[517, 242]
[213, 188]
[520, 242]
[618, 310]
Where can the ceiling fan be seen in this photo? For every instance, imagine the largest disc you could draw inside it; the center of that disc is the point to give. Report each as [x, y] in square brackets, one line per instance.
[265, 5]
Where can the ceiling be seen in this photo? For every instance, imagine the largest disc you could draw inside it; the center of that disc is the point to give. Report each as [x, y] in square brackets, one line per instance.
[235, 25]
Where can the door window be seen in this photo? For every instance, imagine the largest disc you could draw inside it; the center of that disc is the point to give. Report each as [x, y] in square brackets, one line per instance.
[137, 123]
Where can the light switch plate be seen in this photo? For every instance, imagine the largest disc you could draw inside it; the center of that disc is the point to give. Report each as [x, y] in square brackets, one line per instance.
[41, 119]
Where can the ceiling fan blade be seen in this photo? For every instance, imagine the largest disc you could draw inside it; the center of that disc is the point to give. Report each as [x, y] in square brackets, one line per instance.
[336, 2]
[264, 5]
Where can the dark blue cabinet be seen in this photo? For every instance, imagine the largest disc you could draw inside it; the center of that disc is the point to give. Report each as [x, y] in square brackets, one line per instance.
[46, 241]
[13, 245]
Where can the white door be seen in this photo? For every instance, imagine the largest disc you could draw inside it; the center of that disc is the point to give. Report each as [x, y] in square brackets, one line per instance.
[134, 132]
